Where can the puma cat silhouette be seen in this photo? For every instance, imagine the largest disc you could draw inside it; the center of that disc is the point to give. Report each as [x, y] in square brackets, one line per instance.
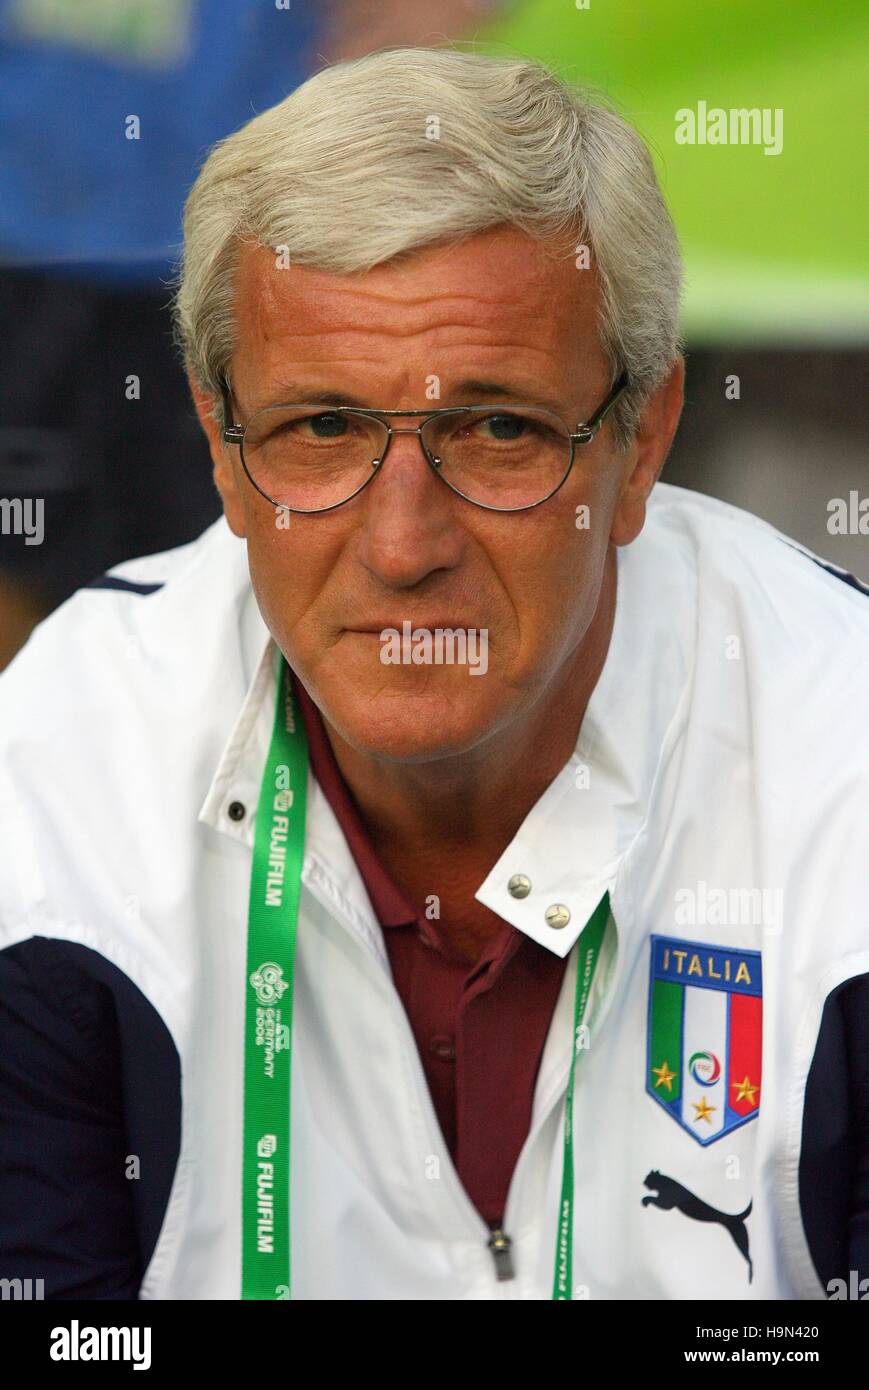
[670, 1194]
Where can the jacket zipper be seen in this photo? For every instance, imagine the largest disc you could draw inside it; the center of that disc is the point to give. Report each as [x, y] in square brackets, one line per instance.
[498, 1243]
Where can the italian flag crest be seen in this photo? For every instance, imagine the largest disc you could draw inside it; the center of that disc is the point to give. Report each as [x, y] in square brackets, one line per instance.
[703, 1061]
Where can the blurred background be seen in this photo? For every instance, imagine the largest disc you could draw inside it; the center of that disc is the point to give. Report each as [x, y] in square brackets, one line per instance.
[108, 107]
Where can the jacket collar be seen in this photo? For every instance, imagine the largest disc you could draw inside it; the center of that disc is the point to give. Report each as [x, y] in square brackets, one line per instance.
[574, 841]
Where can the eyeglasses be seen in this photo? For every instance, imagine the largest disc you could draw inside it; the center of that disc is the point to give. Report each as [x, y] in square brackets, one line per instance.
[314, 457]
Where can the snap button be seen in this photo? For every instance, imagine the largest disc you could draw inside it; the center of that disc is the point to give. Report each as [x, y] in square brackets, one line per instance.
[557, 915]
[444, 1048]
[236, 810]
[519, 886]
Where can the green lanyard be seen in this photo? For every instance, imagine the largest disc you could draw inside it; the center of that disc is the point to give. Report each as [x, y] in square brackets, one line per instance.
[275, 889]
[588, 952]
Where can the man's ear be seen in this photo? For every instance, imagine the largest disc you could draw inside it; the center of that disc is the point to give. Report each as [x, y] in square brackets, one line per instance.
[647, 454]
[225, 477]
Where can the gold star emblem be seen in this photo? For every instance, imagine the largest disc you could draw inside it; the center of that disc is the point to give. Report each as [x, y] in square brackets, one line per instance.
[664, 1075]
[745, 1090]
[704, 1111]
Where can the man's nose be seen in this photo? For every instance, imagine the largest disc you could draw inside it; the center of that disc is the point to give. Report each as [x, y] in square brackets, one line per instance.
[411, 525]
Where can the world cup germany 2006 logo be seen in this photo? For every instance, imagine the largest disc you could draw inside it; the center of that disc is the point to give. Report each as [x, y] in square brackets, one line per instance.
[269, 982]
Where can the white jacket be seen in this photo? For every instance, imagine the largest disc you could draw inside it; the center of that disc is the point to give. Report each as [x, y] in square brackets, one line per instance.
[725, 754]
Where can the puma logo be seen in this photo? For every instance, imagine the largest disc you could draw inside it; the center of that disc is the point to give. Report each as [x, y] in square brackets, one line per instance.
[670, 1194]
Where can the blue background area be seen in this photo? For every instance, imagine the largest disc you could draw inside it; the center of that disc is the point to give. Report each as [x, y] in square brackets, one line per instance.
[75, 193]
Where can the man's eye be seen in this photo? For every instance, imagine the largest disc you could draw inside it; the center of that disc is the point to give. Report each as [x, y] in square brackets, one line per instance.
[498, 428]
[506, 427]
[326, 426]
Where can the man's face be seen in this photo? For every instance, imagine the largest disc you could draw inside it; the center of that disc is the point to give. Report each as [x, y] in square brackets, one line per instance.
[496, 308]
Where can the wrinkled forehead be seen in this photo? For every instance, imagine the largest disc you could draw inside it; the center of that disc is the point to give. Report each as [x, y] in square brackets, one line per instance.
[496, 298]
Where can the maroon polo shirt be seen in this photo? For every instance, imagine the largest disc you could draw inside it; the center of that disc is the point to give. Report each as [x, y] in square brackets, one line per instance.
[480, 1029]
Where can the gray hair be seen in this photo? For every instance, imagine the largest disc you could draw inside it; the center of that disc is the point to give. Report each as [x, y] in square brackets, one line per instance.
[345, 174]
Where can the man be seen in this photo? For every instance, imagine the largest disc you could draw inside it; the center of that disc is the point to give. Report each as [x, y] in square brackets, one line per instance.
[445, 878]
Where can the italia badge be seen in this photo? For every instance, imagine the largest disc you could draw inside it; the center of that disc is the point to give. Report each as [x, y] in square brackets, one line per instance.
[704, 1038]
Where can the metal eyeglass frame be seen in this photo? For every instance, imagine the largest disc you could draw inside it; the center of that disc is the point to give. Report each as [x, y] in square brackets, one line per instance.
[584, 434]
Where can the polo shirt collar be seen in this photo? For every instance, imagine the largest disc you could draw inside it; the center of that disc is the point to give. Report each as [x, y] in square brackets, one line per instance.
[572, 844]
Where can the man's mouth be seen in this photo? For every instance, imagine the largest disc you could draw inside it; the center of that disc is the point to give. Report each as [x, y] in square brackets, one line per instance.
[414, 625]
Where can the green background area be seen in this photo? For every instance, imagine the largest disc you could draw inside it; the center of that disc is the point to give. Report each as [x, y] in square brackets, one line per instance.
[774, 245]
